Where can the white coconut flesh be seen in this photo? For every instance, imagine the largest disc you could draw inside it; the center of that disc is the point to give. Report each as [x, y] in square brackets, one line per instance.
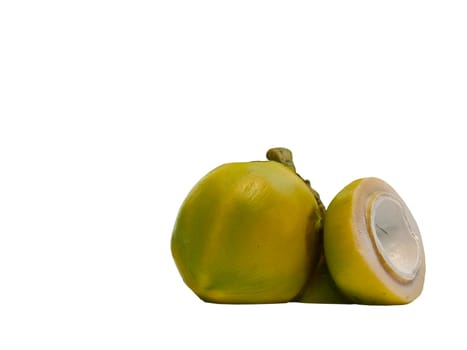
[389, 239]
[396, 237]
[373, 245]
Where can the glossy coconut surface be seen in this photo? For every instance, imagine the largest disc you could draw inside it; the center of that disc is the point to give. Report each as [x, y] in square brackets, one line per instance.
[247, 233]
[362, 255]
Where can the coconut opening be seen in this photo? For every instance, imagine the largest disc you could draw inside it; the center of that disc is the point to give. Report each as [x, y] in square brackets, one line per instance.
[396, 240]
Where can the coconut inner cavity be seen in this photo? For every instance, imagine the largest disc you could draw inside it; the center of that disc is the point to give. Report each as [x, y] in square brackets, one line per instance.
[396, 240]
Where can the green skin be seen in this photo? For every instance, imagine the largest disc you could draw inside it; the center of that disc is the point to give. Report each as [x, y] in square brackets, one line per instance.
[284, 156]
[258, 251]
[314, 286]
[320, 288]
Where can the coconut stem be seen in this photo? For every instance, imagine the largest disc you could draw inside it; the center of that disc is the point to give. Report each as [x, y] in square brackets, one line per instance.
[284, 156]
[281, 155]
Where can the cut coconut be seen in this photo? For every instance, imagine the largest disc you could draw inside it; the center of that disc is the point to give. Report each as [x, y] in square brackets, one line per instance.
[373, 245]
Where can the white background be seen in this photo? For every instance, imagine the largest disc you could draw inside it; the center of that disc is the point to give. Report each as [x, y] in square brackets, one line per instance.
[110, 111]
